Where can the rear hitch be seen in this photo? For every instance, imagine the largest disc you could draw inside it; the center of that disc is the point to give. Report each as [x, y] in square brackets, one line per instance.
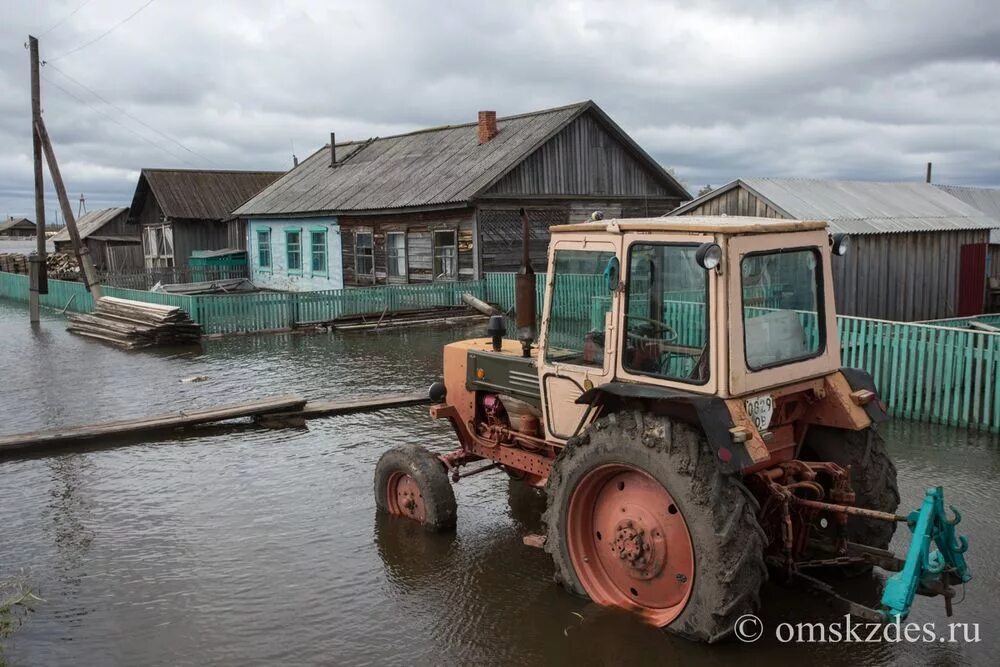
[927, 572]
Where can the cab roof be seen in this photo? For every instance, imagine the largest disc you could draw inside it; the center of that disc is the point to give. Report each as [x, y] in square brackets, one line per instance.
[718, 224]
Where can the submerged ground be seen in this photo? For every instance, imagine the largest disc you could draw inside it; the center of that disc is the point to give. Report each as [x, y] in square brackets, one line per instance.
[254, 546]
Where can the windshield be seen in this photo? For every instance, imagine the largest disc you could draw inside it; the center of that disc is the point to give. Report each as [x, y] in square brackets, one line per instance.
[580, 303]
[782, 307]
[666, 321]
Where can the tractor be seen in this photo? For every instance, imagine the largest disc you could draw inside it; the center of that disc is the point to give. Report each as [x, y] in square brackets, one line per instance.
[685, 411]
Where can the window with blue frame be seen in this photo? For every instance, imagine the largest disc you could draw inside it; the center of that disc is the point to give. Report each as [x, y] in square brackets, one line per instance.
[264, 248]
[293, 249]
[318, 250]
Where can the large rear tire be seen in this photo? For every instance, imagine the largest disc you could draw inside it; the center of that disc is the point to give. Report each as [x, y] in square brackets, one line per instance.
[412, 483]
[640, 517]
[873, 478]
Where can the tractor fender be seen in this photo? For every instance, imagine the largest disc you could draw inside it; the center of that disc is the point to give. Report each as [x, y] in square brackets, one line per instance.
[709, 413]
[860, 379]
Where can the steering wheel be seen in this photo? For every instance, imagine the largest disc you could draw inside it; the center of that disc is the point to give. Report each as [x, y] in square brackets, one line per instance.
[667, 333]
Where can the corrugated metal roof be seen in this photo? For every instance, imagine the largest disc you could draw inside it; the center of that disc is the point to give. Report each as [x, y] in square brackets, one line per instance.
[189, 194]
[90, 223]
[862, 207]
[15, 222]
[986, 200]
[437, 166]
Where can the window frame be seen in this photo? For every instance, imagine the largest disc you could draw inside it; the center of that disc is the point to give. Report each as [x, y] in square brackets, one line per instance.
[434, 253]
[325, 271]
[627, 271]
[405, 276]
[820, 307]
[288, 252]
[269, 267]
[357, 256]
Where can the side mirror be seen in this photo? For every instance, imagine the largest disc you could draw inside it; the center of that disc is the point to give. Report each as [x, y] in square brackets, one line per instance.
[612, 274]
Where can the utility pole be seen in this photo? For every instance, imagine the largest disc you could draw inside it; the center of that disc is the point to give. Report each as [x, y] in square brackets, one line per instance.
[82, 208]
[38, 280]
[82, 252]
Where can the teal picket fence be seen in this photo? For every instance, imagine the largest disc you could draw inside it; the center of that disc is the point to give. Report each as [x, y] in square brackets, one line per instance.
[260, 311]
[929, 371]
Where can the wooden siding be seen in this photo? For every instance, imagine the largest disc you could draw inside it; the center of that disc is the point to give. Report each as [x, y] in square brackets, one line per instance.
[905, 277]
[582, 159]
[197, 235]
[236, 234]
[738, 201]
[419, 229]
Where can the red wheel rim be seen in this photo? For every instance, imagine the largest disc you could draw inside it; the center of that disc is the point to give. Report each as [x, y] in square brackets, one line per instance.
[629, 543]
[404, 498]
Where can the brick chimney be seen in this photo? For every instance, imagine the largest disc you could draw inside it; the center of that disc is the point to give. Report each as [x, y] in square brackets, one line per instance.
[487, 125]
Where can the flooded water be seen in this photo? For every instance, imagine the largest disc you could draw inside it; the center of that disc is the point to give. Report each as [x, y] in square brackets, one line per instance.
[264, 546]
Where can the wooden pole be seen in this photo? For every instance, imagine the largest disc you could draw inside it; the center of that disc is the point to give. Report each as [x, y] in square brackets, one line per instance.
[82, 252]
[40, 284]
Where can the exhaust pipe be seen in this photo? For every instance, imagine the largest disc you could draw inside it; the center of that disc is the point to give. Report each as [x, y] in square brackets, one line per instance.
[526, 306]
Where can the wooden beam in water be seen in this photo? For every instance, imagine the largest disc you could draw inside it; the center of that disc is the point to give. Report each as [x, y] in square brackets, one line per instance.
[174, 420]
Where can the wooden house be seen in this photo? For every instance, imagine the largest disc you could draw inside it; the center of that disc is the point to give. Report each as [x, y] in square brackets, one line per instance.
[442, 204]
[916, 252]
[17, 227]
[182, 210]
[114, 244]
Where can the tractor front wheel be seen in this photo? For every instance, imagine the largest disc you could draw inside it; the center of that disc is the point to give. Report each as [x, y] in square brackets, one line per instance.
[640, 517]
[411, 482]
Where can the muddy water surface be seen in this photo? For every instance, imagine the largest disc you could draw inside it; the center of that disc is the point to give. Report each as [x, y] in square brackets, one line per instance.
[264, 546]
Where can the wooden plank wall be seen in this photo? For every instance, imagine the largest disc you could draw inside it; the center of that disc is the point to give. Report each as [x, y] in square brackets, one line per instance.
[191, 235]
[903, 277]
[737, 201]
[419, 228]
[582, 159]
[500, 235]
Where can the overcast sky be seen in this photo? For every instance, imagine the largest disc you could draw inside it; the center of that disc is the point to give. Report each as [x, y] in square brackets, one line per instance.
[715, 90]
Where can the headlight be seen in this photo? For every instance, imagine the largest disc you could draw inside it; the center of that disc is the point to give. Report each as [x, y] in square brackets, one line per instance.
[708, 256]
[838, 244]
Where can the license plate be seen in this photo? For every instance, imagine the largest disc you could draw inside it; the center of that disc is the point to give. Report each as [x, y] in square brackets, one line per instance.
[760, 409]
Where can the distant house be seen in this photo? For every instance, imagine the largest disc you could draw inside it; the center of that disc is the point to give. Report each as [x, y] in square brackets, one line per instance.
[114, 244]
[17, 227]
[442, 204]
[916, 253]
[183, 210]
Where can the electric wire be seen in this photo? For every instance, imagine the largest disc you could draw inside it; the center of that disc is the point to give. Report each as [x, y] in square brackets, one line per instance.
[116, 122]
[105, 33]
[64, 19]
[131, 116]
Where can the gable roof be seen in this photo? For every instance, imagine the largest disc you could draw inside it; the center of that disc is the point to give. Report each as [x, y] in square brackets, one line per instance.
[438, 166]
[90, 223]
[860, 207]
[11, 223]
[196, 194]
[986, 200]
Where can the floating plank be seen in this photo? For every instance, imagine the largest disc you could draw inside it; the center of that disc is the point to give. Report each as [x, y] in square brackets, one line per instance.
[174, 420]
[370, 404]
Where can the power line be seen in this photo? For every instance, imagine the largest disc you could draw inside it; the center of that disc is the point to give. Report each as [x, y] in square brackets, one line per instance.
[116, 122]
[106, 32]
[126, 113]
[65, 18]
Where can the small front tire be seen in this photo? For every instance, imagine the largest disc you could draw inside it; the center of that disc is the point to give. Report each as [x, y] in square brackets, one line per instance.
[412, 483]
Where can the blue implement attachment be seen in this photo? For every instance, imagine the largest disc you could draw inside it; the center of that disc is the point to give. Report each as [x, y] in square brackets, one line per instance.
[928, 572]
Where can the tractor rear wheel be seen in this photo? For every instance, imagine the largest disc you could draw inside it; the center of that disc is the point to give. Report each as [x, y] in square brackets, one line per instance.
[411, 482]
[640, 517]
[873, 479]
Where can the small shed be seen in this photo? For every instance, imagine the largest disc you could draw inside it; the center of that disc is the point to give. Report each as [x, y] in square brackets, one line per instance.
[17, 227]
[442, 204]
[182, 210]
[916, 253]
[114, 244]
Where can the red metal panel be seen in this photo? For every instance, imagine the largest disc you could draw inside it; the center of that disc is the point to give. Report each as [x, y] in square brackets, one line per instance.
[971, 279]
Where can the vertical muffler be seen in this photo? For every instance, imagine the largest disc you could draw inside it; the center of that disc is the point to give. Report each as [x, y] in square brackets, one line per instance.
[526, 306]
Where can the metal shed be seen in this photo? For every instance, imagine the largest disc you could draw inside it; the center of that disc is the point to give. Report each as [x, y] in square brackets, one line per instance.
[917, 252]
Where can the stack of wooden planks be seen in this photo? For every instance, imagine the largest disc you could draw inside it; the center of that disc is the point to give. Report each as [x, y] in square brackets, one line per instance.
[135, 324]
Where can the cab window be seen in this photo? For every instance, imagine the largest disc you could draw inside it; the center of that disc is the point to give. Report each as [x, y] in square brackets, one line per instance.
[580, 302]
[782, 307]
[666, 313]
